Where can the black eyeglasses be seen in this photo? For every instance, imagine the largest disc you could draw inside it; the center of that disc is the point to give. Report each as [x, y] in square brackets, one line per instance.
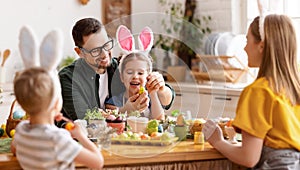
[95, 52]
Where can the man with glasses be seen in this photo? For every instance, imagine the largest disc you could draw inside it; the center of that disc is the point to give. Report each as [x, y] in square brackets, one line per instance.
[88, 81]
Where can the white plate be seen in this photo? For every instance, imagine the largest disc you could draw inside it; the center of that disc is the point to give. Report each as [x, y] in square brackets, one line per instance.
[222, 43]
[210, 43]
[236, 48]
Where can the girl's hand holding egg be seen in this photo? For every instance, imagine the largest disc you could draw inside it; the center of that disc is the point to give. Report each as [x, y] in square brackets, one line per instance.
[155, 82]
[142, 101]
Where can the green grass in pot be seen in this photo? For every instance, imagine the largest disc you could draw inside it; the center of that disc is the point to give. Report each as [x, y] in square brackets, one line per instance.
[93, 114]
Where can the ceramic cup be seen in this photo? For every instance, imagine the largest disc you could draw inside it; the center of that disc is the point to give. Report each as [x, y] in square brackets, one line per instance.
[180, 132]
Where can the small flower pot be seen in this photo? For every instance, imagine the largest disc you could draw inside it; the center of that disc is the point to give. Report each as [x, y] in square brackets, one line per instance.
[119, 126]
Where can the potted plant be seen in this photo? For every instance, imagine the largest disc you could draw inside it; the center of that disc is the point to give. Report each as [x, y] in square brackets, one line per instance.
[171, 27]
[94, 116]
[116, 120]
[181, 127]
[66, 61]
[190, 28]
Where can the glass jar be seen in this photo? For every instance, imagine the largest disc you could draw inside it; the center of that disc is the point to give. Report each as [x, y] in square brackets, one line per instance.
[198, 138]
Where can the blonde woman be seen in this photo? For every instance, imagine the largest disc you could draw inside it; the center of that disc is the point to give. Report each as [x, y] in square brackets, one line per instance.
[268, 112]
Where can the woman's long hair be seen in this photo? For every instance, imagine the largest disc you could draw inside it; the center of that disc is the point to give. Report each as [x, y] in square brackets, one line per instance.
[279, 62]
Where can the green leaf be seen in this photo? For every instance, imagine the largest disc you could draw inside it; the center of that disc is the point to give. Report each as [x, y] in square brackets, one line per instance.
[128, 127]
[93, 114]
[67, 61]
[135, 113]
[175, 113]
[175, 27]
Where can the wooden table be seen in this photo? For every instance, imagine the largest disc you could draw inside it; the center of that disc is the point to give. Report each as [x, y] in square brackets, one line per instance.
[181, 154]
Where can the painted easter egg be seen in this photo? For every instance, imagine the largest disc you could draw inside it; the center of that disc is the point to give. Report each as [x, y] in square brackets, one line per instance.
[18, 114]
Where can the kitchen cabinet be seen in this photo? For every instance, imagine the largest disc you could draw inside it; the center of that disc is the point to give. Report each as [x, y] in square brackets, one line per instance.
[205, 101]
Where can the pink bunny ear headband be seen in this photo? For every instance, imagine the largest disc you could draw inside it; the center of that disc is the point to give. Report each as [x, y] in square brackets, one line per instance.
[50, 54]
[126, 42]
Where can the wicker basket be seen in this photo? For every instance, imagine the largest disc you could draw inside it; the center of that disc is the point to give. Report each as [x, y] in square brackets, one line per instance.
[10, 122]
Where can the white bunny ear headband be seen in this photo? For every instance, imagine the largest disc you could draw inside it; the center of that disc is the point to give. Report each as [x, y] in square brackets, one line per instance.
[50, 54]
[263, 12]
[126, 42]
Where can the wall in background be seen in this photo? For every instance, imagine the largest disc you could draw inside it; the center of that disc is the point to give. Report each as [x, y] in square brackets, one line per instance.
[226, 14]
[44, 15]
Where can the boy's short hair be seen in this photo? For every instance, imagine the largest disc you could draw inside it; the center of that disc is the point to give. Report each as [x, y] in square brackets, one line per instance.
[34, 90]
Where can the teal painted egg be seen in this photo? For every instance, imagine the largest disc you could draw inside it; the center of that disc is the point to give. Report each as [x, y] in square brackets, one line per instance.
[18, 114]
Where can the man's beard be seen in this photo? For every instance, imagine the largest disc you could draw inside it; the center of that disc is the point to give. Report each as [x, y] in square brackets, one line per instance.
[103, 67]
[100, 66]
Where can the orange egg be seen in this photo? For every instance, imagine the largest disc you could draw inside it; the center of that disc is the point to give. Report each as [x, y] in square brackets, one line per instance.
[145, 137]
[229, 123]
[69, 126]
[154, 134]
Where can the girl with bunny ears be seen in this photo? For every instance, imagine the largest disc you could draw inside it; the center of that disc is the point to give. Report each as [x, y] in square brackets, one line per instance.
[93, 77]
[38, 143]
[267, 113]
[134, 68]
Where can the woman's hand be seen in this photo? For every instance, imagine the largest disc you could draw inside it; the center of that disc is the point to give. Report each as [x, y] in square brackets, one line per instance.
[212, 132]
